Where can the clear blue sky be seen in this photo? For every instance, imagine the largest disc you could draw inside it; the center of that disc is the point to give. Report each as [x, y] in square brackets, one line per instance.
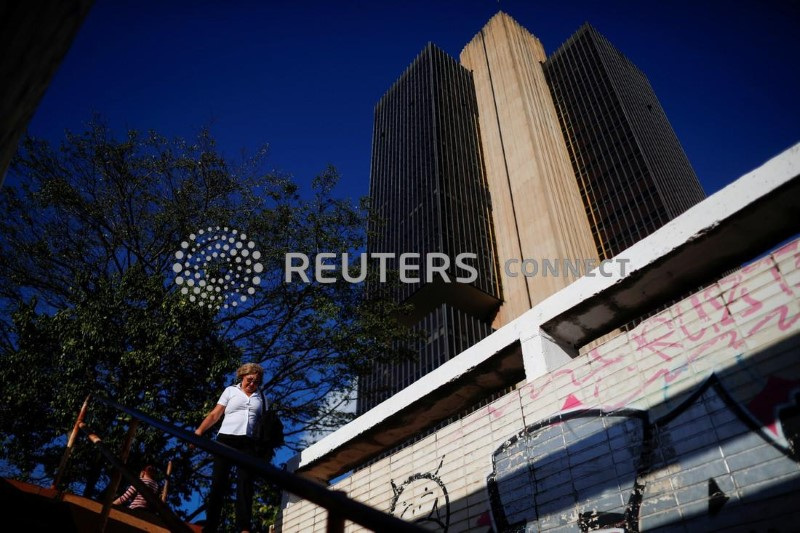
[303, 76]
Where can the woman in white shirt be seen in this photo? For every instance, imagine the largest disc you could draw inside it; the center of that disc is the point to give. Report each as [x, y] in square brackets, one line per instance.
[240, 409]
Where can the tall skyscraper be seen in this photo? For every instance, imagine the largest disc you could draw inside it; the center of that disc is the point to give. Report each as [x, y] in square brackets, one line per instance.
[514, 156]
[538, 213]
[633, 174]
[428, 191]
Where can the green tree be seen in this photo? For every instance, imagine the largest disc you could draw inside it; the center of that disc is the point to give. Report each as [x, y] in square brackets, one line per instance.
[88, 246]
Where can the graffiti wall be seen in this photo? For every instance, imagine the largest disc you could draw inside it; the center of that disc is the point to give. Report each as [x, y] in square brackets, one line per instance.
[690, 422]
[705, 466]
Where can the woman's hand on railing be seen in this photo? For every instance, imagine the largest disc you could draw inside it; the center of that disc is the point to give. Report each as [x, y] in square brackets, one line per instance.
[197, 432]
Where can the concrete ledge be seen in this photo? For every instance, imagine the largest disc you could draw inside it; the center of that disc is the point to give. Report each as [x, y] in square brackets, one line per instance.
[542, 354]
[489, 366]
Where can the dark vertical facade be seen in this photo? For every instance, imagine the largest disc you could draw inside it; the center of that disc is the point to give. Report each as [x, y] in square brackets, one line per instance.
[633, 174]
[429, 194]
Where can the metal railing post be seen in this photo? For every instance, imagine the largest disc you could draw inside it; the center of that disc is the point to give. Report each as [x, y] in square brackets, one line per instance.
[116, 476]
[335, 522]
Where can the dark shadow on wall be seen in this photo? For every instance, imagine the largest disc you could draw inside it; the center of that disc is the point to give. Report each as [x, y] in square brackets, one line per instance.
[722, 458]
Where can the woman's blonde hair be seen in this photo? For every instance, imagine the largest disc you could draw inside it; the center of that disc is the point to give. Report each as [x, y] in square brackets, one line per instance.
[249, 368]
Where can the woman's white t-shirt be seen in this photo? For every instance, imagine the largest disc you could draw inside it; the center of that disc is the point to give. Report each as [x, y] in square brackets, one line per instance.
[241, 411]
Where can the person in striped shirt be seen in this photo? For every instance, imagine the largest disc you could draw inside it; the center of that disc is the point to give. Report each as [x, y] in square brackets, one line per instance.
[136, 499]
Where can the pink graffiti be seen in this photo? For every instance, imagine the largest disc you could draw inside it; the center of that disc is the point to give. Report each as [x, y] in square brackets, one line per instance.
[484, 520]
[788, 249]
[571, 403]
[776, 395]
[708, 321]
[594, 356]
[495, 412]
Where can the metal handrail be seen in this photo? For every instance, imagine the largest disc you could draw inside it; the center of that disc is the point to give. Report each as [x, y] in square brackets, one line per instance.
[338, 505]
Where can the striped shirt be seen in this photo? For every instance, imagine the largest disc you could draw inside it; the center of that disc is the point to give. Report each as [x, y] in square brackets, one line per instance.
[138, 500]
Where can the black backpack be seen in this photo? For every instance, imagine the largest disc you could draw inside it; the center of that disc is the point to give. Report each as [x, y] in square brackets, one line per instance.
[269, 434]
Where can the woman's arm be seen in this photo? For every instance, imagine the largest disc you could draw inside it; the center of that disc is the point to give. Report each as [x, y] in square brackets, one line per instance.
[211, 418]
[130, 493]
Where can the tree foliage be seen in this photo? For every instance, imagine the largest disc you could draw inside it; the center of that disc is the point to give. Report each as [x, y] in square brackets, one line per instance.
[88, 241]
